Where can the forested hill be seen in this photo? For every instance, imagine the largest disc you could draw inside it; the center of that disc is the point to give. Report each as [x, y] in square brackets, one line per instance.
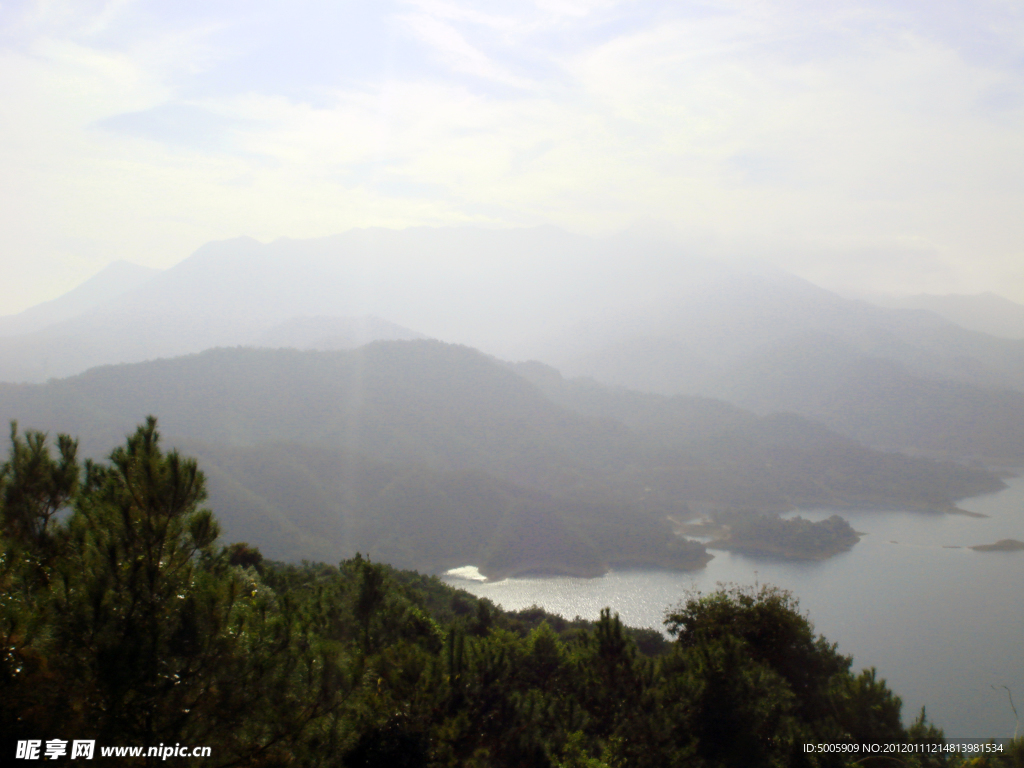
[266, 664]
[430, 455]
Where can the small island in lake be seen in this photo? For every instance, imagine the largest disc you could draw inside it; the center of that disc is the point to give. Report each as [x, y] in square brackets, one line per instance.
[1003, 545]
[792, 539]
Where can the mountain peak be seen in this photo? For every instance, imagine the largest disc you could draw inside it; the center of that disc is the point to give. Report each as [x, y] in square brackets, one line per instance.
[116, 279]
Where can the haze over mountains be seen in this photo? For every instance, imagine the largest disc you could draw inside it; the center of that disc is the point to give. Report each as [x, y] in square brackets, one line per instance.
[984, 312]
[430, 455]
[724, 389]
[117, 279]
[624, 311]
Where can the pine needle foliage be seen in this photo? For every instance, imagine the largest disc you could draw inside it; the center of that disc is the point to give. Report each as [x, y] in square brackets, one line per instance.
[122, 619]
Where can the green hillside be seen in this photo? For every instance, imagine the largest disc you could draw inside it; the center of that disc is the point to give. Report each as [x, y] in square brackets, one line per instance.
[431, 456]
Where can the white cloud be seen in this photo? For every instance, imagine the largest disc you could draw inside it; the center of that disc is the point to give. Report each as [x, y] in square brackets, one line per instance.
[778, 128]
[453, 49]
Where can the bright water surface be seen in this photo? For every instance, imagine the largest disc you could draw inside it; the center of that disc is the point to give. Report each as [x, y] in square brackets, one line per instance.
[941, 625]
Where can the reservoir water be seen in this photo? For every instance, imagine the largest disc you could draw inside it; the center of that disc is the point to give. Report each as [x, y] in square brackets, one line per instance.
[943, 624]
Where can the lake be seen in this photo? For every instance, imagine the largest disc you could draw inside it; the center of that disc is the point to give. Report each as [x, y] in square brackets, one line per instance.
[944, 626]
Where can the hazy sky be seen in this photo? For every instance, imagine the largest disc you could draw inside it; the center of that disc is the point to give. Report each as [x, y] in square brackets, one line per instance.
[878, 145]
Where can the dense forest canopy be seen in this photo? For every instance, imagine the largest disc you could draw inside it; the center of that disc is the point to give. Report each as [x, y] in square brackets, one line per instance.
[124, 620]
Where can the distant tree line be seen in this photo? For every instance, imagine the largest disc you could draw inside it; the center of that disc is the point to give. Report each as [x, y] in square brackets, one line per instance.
[122, 620]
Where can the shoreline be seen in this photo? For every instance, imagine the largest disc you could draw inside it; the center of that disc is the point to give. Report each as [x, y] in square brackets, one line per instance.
[777, 553]
[547, 570]
[544, 570]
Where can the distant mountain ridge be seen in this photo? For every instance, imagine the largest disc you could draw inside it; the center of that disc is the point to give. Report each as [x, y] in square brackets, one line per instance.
[875, 399]
[984, 312]
[326, 333]
[898, 379]
[436, 455]
[639, 314]
[115, 280]
[229, 293]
